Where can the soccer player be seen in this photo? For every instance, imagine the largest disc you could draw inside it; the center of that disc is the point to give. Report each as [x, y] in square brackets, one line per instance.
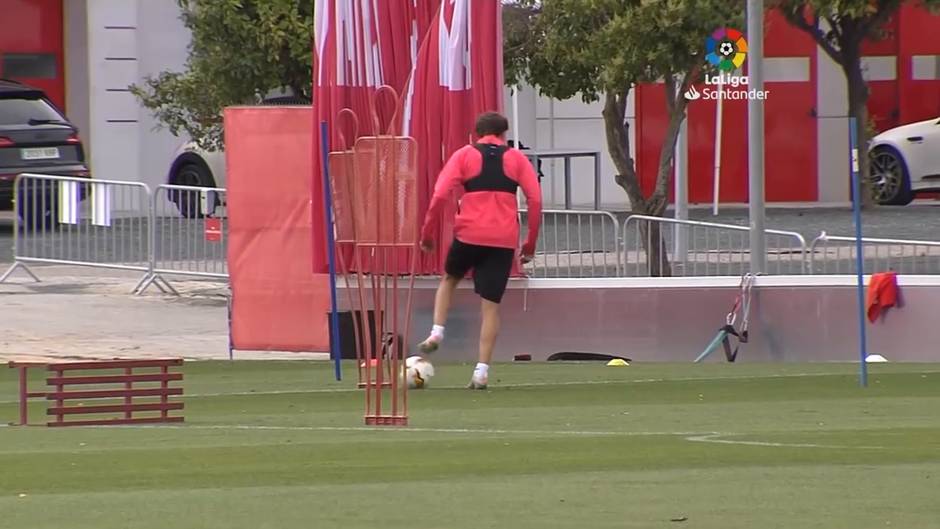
[486, 231]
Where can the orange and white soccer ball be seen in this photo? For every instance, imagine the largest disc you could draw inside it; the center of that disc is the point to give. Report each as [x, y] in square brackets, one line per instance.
[418, 372]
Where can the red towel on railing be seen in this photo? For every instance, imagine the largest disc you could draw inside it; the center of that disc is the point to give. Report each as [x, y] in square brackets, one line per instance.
[882, 294]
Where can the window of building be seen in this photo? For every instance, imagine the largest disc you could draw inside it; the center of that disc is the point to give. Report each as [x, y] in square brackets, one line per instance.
[29, 65]
[925, 67]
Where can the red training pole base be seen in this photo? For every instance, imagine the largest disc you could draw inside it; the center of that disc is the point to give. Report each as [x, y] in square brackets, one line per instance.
[386, 420]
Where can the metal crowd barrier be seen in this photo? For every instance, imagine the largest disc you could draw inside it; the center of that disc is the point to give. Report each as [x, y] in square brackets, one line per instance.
[694, 248]
[574, 244]
[190, 232]
[120, 226]
[183, 231]
[81, 222]
[832, 254]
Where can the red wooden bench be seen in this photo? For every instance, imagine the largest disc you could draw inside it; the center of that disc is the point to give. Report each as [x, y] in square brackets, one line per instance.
[78, 389]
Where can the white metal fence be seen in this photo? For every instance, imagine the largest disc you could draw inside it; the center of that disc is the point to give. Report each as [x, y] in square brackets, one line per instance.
[576, 244]
[694, 248]
[81, 222]
[118, 225]
[833, 254]
[183, 231]
[190, 232]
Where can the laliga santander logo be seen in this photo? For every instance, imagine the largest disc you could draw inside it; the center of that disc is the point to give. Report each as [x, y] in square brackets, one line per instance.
[725, 49]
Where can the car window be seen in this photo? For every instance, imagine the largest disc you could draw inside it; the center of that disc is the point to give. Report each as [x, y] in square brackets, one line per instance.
[18, 111]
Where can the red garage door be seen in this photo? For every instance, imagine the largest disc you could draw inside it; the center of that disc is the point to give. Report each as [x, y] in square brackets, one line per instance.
[790, 127]
[918, 65]
[31, 45]
[790, 148]
[903, 69]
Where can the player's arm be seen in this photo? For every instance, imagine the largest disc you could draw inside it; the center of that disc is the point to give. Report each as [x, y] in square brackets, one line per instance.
[529, 182]
[450, 177]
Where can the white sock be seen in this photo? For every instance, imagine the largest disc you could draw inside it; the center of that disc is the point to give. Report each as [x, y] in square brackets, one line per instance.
[437, 331]
[481, 370]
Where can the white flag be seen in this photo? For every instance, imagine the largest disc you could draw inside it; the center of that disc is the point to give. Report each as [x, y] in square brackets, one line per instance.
[68, 202]
[101, 204]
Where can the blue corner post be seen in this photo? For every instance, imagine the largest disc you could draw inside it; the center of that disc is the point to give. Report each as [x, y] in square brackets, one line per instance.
[335, 352]
[859, 249]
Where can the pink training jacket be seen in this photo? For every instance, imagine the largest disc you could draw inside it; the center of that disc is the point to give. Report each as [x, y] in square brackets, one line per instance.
[487, 217]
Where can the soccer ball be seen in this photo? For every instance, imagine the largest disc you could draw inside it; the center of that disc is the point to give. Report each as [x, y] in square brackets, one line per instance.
[726, 48]
[418, 372]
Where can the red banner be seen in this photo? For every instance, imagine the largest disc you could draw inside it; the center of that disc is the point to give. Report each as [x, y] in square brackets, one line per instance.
[442, 57]
[458, 75]
[277, 304]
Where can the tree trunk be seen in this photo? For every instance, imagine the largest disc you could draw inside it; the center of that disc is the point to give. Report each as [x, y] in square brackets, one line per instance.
[659, 264]
[676, 105]
[657, 256]
[618, 144]
[858, 108]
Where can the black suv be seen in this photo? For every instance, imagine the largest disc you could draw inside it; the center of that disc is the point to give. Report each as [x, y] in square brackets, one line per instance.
[35, 137]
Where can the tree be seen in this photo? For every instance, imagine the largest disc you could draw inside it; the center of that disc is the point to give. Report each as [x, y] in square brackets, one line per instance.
[240, 51]
[601, 49]
[847, 24]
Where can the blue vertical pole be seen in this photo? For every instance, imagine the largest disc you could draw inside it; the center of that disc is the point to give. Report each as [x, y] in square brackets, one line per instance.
[859, 255]
[335, 353]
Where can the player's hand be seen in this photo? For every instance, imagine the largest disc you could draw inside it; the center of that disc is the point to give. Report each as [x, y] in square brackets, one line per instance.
[527, 252]
[427, 245]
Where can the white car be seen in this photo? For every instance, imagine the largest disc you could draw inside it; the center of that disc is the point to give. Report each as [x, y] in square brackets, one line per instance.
[197, 167]
[905, 160]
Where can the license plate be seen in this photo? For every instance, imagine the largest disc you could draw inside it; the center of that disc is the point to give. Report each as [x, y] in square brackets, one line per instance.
[40, 153]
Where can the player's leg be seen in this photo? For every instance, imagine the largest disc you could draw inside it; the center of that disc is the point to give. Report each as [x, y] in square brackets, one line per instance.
[460, 258]
[445, 291]
[489, 329]
[490, 280]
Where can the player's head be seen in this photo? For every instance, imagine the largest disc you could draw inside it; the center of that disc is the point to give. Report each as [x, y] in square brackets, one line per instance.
[492, 124]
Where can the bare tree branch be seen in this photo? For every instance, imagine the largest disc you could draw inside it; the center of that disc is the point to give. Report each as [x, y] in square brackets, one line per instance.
[618, 144]
[796, 16]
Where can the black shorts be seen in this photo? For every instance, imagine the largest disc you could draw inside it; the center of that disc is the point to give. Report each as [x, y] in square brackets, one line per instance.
[491, 267]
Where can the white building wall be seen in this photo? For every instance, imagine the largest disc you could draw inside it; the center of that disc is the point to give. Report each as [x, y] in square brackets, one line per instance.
[551, 124]
[832, 131]
[112, 67]
[75, 29]
[112, 44]
[162, 43]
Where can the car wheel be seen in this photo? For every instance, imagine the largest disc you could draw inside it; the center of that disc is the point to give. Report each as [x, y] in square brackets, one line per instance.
[187, 202]
[890, 180]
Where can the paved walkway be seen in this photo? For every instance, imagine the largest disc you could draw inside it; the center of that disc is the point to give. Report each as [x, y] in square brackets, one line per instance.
[90, 314]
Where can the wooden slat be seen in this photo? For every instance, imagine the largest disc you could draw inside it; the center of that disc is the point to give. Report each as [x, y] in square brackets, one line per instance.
[113, 379]
[113, 393]
[114, 408]
[115, 364]
[110, 422]
[14, 364]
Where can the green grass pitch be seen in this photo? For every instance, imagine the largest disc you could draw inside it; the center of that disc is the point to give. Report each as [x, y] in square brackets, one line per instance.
[281, 445]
